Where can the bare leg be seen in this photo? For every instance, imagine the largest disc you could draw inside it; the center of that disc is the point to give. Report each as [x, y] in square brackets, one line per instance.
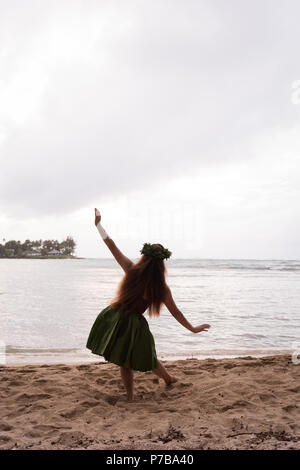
[163, 374]
[127, 376]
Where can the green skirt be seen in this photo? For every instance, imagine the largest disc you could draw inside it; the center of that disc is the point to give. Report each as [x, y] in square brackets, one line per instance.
[125, 340]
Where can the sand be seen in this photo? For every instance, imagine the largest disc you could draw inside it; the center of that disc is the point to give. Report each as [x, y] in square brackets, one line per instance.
[242, 403]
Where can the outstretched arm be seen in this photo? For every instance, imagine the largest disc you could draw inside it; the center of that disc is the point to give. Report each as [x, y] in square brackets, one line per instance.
[123, 261]
[178, 315]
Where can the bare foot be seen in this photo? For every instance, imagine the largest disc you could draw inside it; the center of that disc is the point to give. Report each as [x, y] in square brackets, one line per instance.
[172, 380]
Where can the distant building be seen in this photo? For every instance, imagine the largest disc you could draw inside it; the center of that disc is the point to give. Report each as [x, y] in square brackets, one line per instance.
[32, 253]
[54, 252]
[9, 251]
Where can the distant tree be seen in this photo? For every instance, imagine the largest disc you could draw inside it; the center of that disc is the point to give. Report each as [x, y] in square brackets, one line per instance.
[16, 248]
[56, 244]
[19, 252]
[47, 246]
[68, 246]
[13, 245]
[27, 245]
[37, 243]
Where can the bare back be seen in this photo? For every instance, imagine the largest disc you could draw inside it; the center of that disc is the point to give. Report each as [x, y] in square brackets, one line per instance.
[140, 306]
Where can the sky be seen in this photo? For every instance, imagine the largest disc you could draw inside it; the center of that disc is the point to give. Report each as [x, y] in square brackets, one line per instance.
[179, 120]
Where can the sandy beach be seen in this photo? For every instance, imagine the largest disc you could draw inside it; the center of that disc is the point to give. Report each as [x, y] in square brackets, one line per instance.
[241, 403]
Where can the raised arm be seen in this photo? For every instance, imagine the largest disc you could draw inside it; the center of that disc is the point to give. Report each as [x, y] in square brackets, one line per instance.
[178, 315]
[123, 261]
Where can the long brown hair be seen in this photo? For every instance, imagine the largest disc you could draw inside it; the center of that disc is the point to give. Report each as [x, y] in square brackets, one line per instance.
[144, 280]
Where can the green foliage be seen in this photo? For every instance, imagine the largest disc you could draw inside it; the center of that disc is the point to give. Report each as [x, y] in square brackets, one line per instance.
[37, 248]
[68, 246]
[155, 251]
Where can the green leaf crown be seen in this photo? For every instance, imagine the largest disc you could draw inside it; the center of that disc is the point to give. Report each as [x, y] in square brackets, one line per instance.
[155, 251]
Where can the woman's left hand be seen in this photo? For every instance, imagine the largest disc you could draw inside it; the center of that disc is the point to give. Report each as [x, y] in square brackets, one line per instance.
[198, 329]
[97, 217]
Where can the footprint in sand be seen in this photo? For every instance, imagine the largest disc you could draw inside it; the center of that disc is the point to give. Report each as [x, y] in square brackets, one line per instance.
[100, 381]
[72, 439]
[37, 408]
[183, 384]
[16, 383]
[229, 366]
[4, 439]
[56, 390]
[5, 427]
[16, 413]
[114, 381]
[72, 413]
[89, 404]
[32, 397]
[90, 375]
[32, 434]
[46, 427]
[83, 367]
[295, 390]
[266, 397]
[111, 399]
[41, 381]
[107, 375]
[290, 408]
[28, 371]
[237, 404]
[97, 396]
[142, 389]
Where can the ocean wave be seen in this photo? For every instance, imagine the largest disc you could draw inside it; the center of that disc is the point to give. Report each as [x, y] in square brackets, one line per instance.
[19, 350]
[223, 353]
[81, 357]
[231, 266]
[289, 269]
[250, 335]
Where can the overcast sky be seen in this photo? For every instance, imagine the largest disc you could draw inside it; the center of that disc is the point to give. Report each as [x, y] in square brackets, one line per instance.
[179, 120]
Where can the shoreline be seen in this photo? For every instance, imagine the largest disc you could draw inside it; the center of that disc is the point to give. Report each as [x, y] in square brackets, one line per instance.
[51, 356]
[43, 257]
[240, 403]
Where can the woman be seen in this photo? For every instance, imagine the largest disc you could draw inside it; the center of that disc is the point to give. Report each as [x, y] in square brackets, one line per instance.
[120, 332]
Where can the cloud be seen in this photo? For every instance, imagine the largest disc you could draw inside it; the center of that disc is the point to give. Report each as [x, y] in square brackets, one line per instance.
[101, 98]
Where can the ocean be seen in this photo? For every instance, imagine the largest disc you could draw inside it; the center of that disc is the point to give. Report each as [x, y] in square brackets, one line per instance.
[47, 308]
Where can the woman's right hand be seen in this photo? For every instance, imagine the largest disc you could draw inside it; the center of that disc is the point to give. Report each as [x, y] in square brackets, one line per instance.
[198, 329]
[97, 217]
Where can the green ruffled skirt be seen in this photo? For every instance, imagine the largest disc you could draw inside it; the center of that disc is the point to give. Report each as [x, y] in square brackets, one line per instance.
[125, 340]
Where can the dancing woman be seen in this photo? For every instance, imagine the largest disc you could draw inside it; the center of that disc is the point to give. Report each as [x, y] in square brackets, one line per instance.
[120, 332]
